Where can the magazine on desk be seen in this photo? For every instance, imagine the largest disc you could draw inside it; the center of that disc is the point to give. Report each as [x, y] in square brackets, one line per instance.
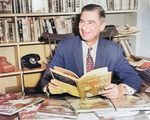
[11, 103]
[90, 104]
[29, 113]
[139, 102]
[55, 107]
[86, 86]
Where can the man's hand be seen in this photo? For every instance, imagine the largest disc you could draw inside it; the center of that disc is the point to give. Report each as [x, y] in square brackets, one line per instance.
[54, 88]
[113, 91]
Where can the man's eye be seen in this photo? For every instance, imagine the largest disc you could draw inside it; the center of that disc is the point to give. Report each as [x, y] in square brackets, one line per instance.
[90, 22]
[81, 21]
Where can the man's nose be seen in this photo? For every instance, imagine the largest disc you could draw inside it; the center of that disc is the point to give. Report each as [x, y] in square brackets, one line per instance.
[84, 26]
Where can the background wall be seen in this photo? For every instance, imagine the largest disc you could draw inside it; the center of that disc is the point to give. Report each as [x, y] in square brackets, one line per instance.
[143, 22]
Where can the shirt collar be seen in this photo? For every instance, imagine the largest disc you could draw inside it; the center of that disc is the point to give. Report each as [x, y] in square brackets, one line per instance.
[94, 47]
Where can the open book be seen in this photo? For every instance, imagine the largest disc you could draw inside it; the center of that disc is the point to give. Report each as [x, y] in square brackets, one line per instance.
[86, 86]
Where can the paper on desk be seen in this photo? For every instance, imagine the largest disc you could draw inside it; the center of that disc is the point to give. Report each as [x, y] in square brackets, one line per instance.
[147, 89]
[87, 116]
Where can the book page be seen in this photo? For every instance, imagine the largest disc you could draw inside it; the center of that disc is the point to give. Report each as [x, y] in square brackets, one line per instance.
[65, 71]
[65, 82]
[96, 71]
[91, 85]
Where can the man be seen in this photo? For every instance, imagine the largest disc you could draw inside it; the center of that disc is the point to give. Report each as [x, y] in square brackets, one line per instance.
[71, 54]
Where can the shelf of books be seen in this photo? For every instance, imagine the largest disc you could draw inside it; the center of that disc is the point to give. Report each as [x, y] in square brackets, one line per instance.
[23, 22]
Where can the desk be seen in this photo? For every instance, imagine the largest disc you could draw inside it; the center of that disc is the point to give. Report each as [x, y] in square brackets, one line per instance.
[61, 96]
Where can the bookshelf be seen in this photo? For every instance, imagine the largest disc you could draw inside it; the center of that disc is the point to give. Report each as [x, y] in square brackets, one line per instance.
[13, 51]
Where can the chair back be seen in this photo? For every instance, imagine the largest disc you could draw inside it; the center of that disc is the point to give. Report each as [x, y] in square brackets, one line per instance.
[54, 39]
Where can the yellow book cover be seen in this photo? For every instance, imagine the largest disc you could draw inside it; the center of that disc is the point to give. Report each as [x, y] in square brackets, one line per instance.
[86, 86]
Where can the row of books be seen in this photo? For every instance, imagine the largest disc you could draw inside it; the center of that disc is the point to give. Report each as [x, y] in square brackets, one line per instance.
[47, 6]
[53, 6]
[31, 28]
[114, 4]
[6, 30]
[38, 107]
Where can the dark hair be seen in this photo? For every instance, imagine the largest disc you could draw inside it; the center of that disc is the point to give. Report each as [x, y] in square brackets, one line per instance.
[94, 7]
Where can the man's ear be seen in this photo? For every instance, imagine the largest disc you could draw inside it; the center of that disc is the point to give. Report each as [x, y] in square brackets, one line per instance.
[102, 27]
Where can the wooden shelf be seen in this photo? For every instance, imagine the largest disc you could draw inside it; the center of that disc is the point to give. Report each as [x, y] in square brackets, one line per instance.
[43, 67]
[17, 71]
[21, 43]
[120, 11]
[61, 13]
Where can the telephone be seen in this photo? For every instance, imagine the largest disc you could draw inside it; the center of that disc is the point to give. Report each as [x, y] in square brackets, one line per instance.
[5, 66]
[30, 61]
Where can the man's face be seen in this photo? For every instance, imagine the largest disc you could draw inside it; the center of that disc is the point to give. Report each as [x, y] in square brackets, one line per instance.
[90, 26]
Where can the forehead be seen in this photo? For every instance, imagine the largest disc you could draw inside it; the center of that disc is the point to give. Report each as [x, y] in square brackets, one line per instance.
[89, 15]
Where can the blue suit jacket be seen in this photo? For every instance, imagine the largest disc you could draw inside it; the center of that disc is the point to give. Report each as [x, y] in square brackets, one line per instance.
[68, 55]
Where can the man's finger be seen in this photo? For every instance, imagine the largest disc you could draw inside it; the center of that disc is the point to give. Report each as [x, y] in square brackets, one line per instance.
[54, 89]
[110, 86]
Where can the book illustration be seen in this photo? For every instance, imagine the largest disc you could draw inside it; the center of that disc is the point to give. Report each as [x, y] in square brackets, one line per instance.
[13, 103]
[131, 103]
[86, 86]
[89, 104]
[55, 107]
[29, 113]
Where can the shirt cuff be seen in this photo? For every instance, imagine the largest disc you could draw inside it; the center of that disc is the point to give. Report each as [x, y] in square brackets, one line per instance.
[128, 90]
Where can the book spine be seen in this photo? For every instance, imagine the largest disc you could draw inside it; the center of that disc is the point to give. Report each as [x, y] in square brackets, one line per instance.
[64, 6]
[6, 31]
[24, 29]
[51, 20]
[13, 31]
[38, 27]
[117, 4]
[46, 26]
[49, 26]
[1, 6]
[131, 4]
[32, 30]
[104, 4]
[135, 4]
[20, 29]
[1, 32]
[77, 6]
[69, 5]
[10, 31]
[24, 6]
[128, 46]
[21, 6]
[27, 6]
[29, 30]
[69, 25]
[124, 48]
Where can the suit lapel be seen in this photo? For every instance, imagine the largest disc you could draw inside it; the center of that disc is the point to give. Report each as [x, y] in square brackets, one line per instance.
[78, 57]
[100, 55]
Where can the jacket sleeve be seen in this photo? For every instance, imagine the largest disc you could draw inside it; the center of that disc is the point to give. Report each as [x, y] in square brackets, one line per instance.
[126, 72]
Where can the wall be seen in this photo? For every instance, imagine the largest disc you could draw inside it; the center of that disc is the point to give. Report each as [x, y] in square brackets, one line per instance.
[143, 22]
